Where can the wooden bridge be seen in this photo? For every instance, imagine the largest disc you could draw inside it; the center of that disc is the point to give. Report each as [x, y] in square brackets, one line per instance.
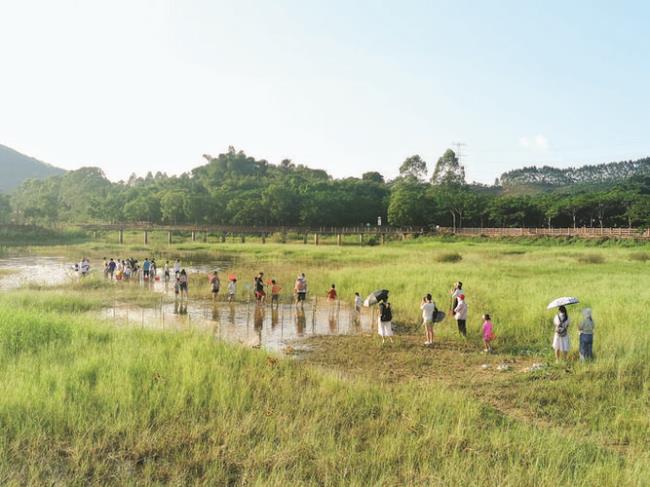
[362, 232]
[581, 232]
[223, 231]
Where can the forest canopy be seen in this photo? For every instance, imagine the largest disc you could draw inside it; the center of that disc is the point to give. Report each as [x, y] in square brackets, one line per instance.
[234, 188]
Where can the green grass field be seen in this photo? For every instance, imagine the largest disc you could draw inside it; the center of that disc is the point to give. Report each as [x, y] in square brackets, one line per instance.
[83, 402]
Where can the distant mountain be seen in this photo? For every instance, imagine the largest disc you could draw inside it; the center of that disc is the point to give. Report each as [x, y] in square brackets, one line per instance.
[600, 174]
[16, 168]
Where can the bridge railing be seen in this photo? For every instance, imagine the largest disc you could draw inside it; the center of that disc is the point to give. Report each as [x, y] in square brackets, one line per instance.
[386, 231]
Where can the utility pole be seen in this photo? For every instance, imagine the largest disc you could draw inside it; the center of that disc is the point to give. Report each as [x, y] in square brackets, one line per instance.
[458, 146]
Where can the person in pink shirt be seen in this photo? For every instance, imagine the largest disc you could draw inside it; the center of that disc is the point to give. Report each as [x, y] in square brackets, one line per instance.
[488, 333]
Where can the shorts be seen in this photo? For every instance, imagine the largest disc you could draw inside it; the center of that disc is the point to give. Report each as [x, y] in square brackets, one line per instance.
[428, 323]
[215, 291]
[146, 273]
[275, 298]
[302, 296]
[260, 294]
[183, 286]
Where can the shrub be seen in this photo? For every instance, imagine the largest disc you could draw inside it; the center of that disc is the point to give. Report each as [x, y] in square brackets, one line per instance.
[640, 256]
[591, 259]
[449, 257]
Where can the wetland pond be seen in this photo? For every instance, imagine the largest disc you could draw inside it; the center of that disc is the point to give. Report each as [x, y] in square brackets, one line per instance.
[280, 328]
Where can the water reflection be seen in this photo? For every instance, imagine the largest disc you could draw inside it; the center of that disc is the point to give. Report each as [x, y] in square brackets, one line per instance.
[301, 320]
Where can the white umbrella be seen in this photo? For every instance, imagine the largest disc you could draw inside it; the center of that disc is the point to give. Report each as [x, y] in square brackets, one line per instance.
[375, 297]
[556, 303]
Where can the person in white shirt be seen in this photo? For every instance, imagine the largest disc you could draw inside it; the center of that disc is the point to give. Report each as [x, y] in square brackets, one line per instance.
[232, 290]
[456, 291]
[357, 302]
[177, 268]
[429, 310]
[461, 315]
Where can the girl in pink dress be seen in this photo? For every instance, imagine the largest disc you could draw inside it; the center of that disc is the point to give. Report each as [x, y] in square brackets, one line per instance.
[488, 333]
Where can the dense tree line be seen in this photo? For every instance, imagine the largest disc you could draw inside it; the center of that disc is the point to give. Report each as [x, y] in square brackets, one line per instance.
[601, 173]
[234, 188]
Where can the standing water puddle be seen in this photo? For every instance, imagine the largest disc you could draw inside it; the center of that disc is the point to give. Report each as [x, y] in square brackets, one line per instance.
[21, 271]
[274, 328]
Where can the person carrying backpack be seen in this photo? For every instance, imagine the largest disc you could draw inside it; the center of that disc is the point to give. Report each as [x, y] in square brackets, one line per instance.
[429, 312]
[385, 325]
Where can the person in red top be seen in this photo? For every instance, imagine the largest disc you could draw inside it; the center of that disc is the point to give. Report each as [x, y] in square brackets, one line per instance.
[331, 294]
[275, 292]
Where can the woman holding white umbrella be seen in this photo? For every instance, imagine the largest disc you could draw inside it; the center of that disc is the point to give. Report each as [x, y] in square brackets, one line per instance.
[561, 342]
[561, 321]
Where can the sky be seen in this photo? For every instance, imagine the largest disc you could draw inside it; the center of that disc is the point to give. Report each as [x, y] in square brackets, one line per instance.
[346, 86]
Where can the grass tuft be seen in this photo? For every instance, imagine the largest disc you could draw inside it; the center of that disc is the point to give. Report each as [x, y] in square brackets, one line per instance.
[591, 259]
[449, 257]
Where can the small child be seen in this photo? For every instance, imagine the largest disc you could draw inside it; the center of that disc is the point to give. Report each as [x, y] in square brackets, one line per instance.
[488, 333]
[275, 292]
[357, 302]
[177, 287]
[232, 289]
[331, 294]
[215, 284]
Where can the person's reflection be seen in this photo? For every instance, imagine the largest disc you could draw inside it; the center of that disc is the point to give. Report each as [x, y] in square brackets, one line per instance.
[331, 317]
[356, 319]
[301, 321]
[332, 322]
[176, 307]
[215, 312]
[258, 319]
[258, 323]
[182, 309]
[274, 317]
[231, 314]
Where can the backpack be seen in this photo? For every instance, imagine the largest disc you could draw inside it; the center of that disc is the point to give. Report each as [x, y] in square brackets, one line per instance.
[386, 313]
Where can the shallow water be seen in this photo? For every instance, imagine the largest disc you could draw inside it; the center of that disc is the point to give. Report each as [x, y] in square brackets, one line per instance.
[54, 271]
[272, 327]
[44, 271]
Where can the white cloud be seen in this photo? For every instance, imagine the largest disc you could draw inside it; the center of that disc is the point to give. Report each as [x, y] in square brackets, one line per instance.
[541, 142]
[537, 142]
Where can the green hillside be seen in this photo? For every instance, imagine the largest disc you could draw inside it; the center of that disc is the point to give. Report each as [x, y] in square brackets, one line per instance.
[16, 168]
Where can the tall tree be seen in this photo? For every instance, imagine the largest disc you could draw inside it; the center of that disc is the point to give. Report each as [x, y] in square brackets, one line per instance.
[448, 170]
[408, 205]
[414, 167]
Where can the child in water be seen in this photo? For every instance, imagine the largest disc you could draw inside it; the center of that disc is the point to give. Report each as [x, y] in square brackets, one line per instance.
[275, 292]
[488, 333]
[232, 290]
[177, 287]
[331, 294]
[357, 302]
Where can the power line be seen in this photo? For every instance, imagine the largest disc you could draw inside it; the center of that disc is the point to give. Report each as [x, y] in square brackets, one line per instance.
[459, 148]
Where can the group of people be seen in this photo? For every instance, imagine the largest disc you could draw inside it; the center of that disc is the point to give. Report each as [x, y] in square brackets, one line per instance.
[261, 288]
[82, 267]
[127, 269]
[561, 340]
[147, 271]
[459, 309]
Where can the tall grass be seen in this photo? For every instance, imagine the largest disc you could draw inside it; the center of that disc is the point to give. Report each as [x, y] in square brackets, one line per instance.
[83, 404]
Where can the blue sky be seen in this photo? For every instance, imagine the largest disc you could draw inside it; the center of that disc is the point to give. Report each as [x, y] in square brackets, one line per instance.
[345, 86]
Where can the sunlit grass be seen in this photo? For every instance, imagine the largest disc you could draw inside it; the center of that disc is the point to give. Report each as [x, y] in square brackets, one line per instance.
[83, 402]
